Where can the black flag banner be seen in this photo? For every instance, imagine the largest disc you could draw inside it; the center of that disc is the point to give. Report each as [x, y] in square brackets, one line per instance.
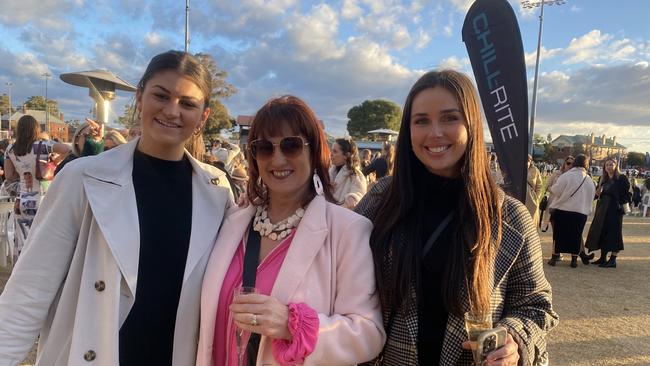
[491, 35]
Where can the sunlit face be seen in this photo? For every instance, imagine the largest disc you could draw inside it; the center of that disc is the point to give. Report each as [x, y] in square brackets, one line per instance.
[283, 175]
[610, 167]
[171, 108]
[438, 131]
[337, 156]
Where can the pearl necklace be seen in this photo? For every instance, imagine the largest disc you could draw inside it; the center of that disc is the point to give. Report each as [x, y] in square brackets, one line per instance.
[262, 223]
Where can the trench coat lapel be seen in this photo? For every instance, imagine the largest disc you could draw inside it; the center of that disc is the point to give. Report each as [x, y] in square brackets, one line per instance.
[308, 240]
[109, 185]
[209, 201]
[109, 189]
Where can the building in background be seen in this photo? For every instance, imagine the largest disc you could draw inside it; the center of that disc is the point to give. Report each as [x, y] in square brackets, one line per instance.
[597, 148]
[57, 129]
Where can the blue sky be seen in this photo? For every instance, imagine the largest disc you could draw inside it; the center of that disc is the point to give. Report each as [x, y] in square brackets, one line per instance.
[594, 75]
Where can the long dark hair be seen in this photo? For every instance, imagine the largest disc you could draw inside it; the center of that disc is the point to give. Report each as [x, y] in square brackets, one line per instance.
[478, 208]
[349, 149]
[605, 177]
[27, 132]
[295, 113]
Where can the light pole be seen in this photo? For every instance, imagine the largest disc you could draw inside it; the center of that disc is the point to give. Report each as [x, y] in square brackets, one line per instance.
[527, 4]
[187, 25]
[9, 85]
[47, 109]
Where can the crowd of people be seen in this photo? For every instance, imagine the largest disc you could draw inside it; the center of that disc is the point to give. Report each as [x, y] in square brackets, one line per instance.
[152, 248]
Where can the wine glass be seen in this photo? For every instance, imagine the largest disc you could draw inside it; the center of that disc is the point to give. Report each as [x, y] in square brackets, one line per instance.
[241, 335]
[475, 324]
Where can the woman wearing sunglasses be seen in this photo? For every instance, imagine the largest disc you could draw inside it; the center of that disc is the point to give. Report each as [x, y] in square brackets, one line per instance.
[315, 302]
[113, 267]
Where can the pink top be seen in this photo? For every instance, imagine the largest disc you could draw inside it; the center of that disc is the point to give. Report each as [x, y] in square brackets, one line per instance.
[225, 346]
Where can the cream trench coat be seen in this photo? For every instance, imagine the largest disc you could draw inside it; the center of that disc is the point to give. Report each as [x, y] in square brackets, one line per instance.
[75, 281]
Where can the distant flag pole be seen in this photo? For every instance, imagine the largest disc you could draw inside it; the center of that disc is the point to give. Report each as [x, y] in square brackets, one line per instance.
[187, 25]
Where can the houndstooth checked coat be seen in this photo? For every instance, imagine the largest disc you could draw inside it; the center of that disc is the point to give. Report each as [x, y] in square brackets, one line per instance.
[521, 296]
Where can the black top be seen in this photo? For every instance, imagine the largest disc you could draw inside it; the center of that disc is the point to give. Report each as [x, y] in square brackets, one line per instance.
[379, 166]
[163, 193]
[442, 197]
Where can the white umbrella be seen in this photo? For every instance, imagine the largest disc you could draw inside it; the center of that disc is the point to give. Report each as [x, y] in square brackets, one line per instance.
[384, 131]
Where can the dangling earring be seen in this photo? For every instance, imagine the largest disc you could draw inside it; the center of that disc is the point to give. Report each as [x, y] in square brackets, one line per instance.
[318, 185]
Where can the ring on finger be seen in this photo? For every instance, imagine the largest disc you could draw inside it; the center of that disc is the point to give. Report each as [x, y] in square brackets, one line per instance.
[254, 320]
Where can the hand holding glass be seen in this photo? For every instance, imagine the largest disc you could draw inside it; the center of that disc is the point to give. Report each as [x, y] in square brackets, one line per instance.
[241, 336]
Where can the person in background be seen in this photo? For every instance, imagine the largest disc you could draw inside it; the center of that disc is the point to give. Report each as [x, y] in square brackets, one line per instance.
[495, 171]
[135, 131]
[240, 180]
[447, 240]
[226, 153]
[86, 141]
[606, 230]
[566, 165]
[316, 302]
[366, 156]
[636, 193]
[533, 190]
[383, 165]
[111, 273]
[573, 194]
[22, 162]
[348, 180]
[113, 139]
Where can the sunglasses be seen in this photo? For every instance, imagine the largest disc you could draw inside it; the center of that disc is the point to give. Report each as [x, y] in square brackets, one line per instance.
[291, 147]
[569, 163]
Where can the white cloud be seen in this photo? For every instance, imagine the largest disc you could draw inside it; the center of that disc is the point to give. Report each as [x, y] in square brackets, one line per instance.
[314, 35]
[453, 63]
[423, 39]
[544, 55]
[350, 9]
[45, 13]
[153, 38]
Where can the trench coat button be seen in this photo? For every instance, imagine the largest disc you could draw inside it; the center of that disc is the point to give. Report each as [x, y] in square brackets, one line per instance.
[100, 286]
[90, 355]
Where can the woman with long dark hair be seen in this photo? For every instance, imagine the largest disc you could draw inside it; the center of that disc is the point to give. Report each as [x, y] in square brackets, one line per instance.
[447, 241]
[112, 271]
[606, 230]
[345, 174]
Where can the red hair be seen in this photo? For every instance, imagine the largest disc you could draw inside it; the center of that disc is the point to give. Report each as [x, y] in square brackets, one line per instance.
[295, 114]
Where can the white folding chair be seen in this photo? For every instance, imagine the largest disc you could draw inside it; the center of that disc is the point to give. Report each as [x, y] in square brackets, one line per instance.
[6, 246]
[645, 202]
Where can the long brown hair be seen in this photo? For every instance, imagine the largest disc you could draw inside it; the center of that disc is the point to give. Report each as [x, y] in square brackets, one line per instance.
[27, 132]
[351, 153]
[479, 207]
[388, 153]
[605, 177]
[296, 114]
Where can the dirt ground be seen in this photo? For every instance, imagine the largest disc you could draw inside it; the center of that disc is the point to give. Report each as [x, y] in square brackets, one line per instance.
[604, 313]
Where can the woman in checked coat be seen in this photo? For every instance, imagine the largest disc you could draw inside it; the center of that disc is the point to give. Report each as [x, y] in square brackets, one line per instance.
[487, 258]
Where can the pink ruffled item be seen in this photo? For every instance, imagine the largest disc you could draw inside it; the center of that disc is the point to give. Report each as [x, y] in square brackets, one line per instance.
[303, 326]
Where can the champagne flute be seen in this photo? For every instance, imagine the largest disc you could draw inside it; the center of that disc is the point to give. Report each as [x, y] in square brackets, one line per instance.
[475, 324]
[241, 335]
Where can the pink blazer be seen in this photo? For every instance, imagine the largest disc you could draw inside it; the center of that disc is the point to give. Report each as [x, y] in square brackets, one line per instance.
[328, 266]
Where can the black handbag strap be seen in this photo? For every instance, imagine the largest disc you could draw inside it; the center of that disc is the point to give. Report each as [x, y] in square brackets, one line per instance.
[249, 274]
[581, 183]
[427, 247]
[436, 233]
[251, 256]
